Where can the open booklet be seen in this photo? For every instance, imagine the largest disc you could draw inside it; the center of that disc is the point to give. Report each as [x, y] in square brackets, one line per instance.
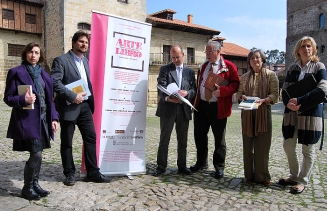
[249, 104]
[78, 86]
[172, 90]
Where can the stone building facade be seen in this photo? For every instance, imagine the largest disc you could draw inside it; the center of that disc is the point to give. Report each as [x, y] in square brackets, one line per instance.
[55, 22]
[306, 18]
[64, 17]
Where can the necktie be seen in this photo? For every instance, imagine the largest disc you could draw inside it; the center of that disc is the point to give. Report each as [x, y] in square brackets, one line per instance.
[178, 76]
[207, 92]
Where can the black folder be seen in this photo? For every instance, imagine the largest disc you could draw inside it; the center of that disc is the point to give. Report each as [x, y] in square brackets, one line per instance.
[301, 88]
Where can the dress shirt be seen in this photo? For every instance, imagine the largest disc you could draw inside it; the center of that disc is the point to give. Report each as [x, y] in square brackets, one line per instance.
[216, 67]
[303, 69]
[80, 66]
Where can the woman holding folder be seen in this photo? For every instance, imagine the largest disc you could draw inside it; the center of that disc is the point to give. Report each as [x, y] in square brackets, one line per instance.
[256, 124]
[303, 127]
[31, 127]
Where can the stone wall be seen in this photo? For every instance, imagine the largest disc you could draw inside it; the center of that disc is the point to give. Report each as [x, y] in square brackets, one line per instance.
[7, 62]
[160, 37]
[62, 17]
[303, 20]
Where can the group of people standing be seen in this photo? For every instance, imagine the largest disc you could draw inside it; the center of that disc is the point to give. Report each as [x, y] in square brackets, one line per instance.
[32, 129]
[214, 107]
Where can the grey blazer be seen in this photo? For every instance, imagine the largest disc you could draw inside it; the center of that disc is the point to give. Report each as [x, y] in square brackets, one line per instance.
[167, 75]
[64, 71]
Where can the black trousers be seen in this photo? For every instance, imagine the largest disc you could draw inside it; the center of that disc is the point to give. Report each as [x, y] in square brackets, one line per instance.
[204, 118]
[166, 126]
[86, 126]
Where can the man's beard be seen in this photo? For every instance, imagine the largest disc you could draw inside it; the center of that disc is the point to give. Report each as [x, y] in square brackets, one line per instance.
[80, 50]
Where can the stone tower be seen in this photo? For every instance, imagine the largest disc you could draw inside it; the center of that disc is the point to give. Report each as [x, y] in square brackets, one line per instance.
[306, 18]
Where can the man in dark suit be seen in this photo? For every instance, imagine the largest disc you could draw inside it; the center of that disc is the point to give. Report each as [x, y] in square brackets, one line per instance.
[171, 110]
[75, 109]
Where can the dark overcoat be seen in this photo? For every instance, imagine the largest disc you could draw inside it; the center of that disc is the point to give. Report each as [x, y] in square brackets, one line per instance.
[25, 124]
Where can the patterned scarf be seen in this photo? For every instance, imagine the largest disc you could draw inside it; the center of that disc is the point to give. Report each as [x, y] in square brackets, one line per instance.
[261, 113]
[35, 73]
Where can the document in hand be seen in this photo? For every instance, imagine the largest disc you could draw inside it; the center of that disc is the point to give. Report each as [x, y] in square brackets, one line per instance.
[22, 91]
[172, 90]
[249, 104]
[79, 86]
[301, 88]
[213, 79]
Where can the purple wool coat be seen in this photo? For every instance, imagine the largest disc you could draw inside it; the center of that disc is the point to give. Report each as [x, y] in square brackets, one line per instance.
[26, 124]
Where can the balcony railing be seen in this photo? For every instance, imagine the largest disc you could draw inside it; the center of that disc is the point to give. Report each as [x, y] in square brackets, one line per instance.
[164, 58]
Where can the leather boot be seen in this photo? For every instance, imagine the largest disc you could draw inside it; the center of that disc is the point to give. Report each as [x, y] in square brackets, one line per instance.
[37, 187]
[28, 191]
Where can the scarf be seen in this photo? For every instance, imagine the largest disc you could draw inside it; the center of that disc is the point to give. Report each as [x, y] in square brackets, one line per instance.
[35, 73]
[260, 122]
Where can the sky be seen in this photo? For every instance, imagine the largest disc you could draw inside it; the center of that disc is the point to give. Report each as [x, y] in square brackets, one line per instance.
[256, 23]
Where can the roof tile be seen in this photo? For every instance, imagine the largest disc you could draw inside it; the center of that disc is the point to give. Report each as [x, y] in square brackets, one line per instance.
[232, 49]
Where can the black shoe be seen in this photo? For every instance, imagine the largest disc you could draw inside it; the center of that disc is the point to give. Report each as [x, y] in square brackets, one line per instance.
[97, 177]
[284, 182]
[158, 172]
[70, 180]
[197, 167]
[28, 191]
[219, 174]
[185, 171]
[36, 185]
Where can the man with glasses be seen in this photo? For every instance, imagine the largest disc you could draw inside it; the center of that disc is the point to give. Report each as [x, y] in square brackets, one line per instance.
[213, 108]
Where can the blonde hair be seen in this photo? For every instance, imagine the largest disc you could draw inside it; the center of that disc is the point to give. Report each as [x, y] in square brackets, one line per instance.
[298, 45]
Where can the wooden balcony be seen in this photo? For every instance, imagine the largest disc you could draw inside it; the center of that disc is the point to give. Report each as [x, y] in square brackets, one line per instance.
[22, 16]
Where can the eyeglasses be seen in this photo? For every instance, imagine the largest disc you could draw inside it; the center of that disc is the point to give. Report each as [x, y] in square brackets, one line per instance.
[255, 58]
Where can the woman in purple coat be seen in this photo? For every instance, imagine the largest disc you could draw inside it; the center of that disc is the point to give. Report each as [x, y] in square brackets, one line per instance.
[31, 129]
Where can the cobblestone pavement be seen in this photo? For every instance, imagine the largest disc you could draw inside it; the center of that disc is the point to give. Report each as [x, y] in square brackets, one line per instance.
[171, 191]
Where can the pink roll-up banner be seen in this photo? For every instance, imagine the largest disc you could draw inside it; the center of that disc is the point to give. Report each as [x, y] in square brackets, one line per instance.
[119, 62]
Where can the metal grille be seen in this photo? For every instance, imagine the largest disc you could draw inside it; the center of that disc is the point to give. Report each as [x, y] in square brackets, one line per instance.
[30, 18]
[15, 50]
[8, 14]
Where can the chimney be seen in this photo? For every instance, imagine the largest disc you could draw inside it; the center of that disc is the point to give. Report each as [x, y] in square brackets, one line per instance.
[190, 18]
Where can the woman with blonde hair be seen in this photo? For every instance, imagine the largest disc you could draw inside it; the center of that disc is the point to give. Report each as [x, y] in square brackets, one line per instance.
[303, 127]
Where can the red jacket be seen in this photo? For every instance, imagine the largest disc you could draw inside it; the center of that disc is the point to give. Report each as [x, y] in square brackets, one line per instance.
[225, 100]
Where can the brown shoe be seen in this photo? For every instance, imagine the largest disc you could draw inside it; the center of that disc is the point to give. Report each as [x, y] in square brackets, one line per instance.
[265, 183]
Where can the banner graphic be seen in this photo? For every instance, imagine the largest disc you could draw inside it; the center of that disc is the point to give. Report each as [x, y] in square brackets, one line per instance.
[119, 61]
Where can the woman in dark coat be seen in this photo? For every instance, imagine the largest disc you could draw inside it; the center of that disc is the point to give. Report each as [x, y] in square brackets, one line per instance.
[303, 127]
[31, 129]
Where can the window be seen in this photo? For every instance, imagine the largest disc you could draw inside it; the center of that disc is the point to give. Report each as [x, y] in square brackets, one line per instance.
[84, 26]
[321, 21]
[123, 1]
[30, 18]
[15, 50]
[8, 14]
[169, 16]
[190, 55]
[166, 53]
